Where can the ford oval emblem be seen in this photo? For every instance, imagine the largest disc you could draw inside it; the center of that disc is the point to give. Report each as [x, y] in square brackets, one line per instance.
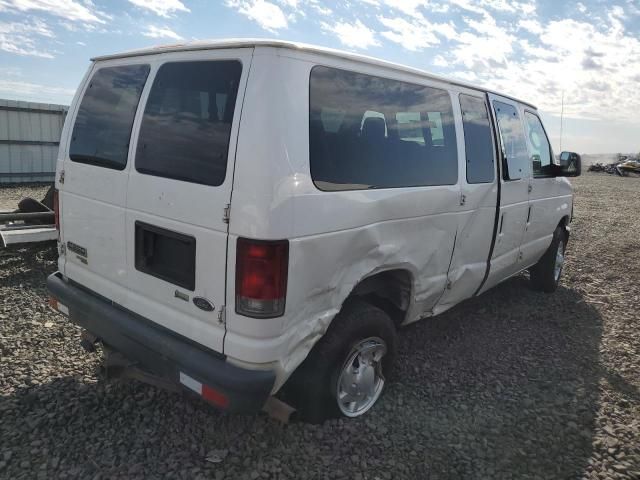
[203, 304]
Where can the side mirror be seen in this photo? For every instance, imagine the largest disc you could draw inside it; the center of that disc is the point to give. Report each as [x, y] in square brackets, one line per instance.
[570, 165]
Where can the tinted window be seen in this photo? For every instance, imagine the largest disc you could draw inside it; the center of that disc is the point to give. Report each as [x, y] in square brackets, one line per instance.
[514, 144]
[102, 130]
[477, 139]
[435, 128]
[371, 132]
[186, 126]
[538, 146]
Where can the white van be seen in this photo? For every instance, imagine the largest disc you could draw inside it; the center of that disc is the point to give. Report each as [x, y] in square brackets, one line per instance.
[238, 216]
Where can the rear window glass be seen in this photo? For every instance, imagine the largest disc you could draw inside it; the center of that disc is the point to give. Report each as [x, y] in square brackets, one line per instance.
[102, 130]
[372, 132]
[187, 121]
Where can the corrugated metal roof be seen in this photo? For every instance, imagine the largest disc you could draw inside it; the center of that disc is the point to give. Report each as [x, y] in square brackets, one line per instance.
[29, 138]
[261, 42]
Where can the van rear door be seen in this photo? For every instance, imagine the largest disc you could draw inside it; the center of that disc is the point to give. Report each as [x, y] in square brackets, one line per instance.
[179, 190]
[93, 176]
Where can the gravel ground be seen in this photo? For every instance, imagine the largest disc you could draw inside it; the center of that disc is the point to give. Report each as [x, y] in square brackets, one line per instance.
[515, 384]
[11, 195]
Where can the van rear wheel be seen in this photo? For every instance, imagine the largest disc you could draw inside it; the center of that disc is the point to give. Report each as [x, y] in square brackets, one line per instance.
[545, 275]
[346, 372]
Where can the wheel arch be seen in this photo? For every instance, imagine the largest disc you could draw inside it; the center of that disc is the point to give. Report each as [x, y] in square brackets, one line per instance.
[391, 289]
[564, 224]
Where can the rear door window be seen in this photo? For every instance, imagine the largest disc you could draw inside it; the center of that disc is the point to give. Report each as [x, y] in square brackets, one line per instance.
[186, 125]
[102, 129]
[477, 139]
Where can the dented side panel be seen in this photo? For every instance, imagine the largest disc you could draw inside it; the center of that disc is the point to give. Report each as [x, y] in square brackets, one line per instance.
[325, 268]
[475, 227]
[337, 239]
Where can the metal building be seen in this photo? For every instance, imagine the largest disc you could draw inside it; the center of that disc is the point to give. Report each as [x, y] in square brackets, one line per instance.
[29, 139]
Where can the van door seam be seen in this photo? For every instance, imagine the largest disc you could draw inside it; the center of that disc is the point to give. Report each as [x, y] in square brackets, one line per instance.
[233, 178]
[499, 160]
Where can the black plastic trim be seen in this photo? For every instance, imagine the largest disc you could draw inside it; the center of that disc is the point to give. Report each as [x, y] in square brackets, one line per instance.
[142, 341]
[183, 250]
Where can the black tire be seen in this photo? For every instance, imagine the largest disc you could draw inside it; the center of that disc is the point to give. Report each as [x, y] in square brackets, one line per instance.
[542, 274]
[312, 387]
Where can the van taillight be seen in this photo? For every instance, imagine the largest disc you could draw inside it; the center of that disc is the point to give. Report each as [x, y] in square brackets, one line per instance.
[261, 277]
[56, 209]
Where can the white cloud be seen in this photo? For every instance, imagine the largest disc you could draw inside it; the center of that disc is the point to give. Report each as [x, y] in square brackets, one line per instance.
[20, 38]
[355, 34]
[594, 63]
[20, 90]
[266, 14]
[154, 31]
[163, 8]
[69, 9]
[440, 61]
[481, 6]
[485, 46]
[320, 8]
[531, 25]
[412, 36]
[408, 7]
[417, 33]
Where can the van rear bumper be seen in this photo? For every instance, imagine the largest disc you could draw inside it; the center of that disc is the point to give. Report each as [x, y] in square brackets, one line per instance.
[162, 351]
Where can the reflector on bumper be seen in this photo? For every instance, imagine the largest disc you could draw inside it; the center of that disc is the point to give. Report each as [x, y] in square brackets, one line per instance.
[205, 391]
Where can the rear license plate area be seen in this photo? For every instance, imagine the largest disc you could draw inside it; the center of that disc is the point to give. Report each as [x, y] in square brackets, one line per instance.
[165, 254]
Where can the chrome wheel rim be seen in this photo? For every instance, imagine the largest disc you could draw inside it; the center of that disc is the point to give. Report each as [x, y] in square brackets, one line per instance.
[361, 378]
[557, 270]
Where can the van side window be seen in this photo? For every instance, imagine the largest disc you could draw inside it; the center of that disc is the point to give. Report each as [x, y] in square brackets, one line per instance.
[539, 146]
[331, 119]
[477, 139]
[372, 132]
[514, 144]
[435, 127]
[409, 127]
[187, 121]
[102, 128]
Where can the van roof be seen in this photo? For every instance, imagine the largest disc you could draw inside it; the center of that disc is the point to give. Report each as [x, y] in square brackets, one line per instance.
[261, 42]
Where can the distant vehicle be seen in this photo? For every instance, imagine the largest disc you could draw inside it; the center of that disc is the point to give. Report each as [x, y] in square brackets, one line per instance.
[239, 216]
[628, 166]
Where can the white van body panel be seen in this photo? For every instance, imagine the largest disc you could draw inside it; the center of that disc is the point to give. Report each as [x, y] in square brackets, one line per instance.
[101, 207]
[476, 223]
[439, 236]
[93, 209]
[192, 209]
[514, 206]
[550, 199]
[342, 237]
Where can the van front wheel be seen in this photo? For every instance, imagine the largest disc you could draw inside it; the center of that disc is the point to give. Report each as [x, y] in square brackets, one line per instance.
[545, 275]
[346, 372]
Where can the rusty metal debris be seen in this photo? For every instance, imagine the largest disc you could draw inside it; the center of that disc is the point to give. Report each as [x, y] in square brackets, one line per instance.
[33, 221]
[622, 169]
